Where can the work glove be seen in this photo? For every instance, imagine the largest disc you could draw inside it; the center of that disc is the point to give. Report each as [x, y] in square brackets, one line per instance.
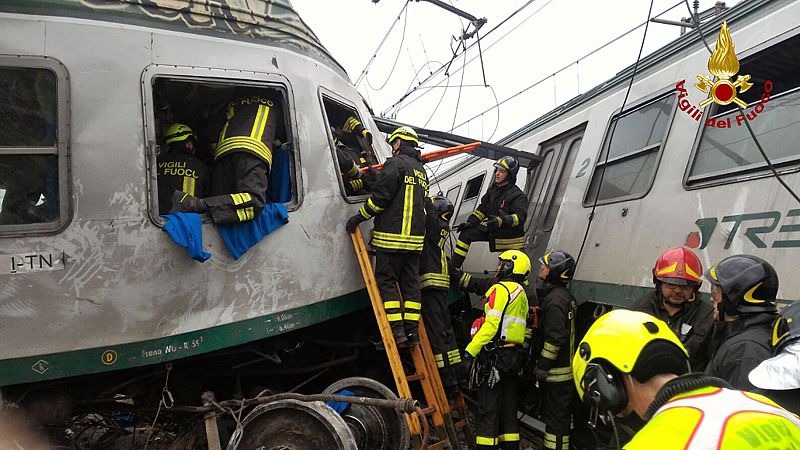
[357, 184]
[493, 222]
[467, 360]
[540, 374]
[466, 225]
[352, 223]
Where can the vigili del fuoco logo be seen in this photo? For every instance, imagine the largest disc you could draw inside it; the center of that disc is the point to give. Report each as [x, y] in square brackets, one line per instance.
[722, 89]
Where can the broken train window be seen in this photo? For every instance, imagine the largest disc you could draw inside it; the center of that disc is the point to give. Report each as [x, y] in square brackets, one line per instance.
[352, 146]
[198, 110]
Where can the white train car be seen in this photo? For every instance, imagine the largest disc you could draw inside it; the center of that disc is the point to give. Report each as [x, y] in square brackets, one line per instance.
[90, 281]
[674, 173]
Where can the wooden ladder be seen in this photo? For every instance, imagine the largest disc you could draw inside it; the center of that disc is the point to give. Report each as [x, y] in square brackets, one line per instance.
[436, 405]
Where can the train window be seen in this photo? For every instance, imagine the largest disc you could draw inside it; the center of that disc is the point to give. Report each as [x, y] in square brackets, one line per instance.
[627, 166]
[33, 149]
[561, 186]
[351, 144]
[725, 154]
[470, 199]
[205, 106]
[452, 193]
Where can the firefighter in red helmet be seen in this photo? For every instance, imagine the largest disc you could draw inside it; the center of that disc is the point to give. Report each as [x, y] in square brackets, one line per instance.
[677, 302]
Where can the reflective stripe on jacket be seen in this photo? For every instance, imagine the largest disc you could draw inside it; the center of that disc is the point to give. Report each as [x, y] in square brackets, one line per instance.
[397, 202]
[512, 330]
[718, 418]
[433, 261]
[251, 127]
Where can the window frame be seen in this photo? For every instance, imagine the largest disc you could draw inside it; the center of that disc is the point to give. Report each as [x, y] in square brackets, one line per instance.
[458, 193]
[61, 150]
[464, 198]
[324, 94]
[786, 165]
[219, 76]
[641, 103]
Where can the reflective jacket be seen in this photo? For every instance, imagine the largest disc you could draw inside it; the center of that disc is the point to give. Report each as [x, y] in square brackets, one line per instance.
[510, 204]
[512, 329]
[693, 325]
[718, 418]
[251, 127]
[433, 269]
[745, 346]
[180, 171]
[398, 200]
[557, 310]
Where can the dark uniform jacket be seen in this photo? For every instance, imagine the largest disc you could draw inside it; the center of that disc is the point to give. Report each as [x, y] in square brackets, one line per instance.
[509, 203]
[398, 204]
[693, 325]
[180, 171]
[433, 269]
[251, 127]
[745, 345]
[557, 329]
[350, 163]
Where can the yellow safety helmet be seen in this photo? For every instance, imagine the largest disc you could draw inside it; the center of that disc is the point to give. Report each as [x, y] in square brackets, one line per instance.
[624, 342]
[178, 132]
[516, 263]
[405, 133]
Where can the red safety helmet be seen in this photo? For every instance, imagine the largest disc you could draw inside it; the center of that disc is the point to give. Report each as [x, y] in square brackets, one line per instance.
[678, 266]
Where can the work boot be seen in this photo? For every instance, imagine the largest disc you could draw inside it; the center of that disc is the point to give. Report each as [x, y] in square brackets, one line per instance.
[399, 334]
[185, 203]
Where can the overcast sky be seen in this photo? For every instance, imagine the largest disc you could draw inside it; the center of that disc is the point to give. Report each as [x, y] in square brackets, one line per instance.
[545, 38]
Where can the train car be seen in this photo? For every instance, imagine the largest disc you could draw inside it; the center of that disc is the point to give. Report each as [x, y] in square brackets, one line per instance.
[680, 169]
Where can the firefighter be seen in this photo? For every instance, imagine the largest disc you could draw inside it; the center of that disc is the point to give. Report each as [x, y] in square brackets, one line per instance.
[178, 169]
[435, 284]
[553, 372]
[631, 363]
[242, 161]
[779, 376]
[496, 356]
[744, 288]
[500, 217]
[397, 202]
[352, 161]
[676, 301]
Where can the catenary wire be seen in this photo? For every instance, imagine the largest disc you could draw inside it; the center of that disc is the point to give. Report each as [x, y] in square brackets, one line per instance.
[375, 53]
[396, 58]
[436, 72]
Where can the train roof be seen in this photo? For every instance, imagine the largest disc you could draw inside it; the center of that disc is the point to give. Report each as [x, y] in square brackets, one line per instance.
[273, 22]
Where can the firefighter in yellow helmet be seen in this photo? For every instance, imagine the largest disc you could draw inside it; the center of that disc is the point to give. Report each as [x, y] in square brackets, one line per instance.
[496, 355]
[557, 309]
[397, 202]
[178, 168]
[242, 160]
[630, 362]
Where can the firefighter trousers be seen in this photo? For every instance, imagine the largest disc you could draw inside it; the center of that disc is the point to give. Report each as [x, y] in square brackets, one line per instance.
[239, 188]
[481, 234]
[403, 306]
[441, 335]
[556, 412]
[497, 425]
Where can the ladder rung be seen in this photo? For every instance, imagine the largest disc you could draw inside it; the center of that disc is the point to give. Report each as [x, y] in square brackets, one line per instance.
[460, 425]
[428, 410]
[438, 445]
[416, 377]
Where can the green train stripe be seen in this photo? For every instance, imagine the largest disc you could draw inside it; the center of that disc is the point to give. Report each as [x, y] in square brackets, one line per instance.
[155, 351]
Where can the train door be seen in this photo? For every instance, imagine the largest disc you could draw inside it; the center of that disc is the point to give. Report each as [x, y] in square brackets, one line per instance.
[547, 187]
